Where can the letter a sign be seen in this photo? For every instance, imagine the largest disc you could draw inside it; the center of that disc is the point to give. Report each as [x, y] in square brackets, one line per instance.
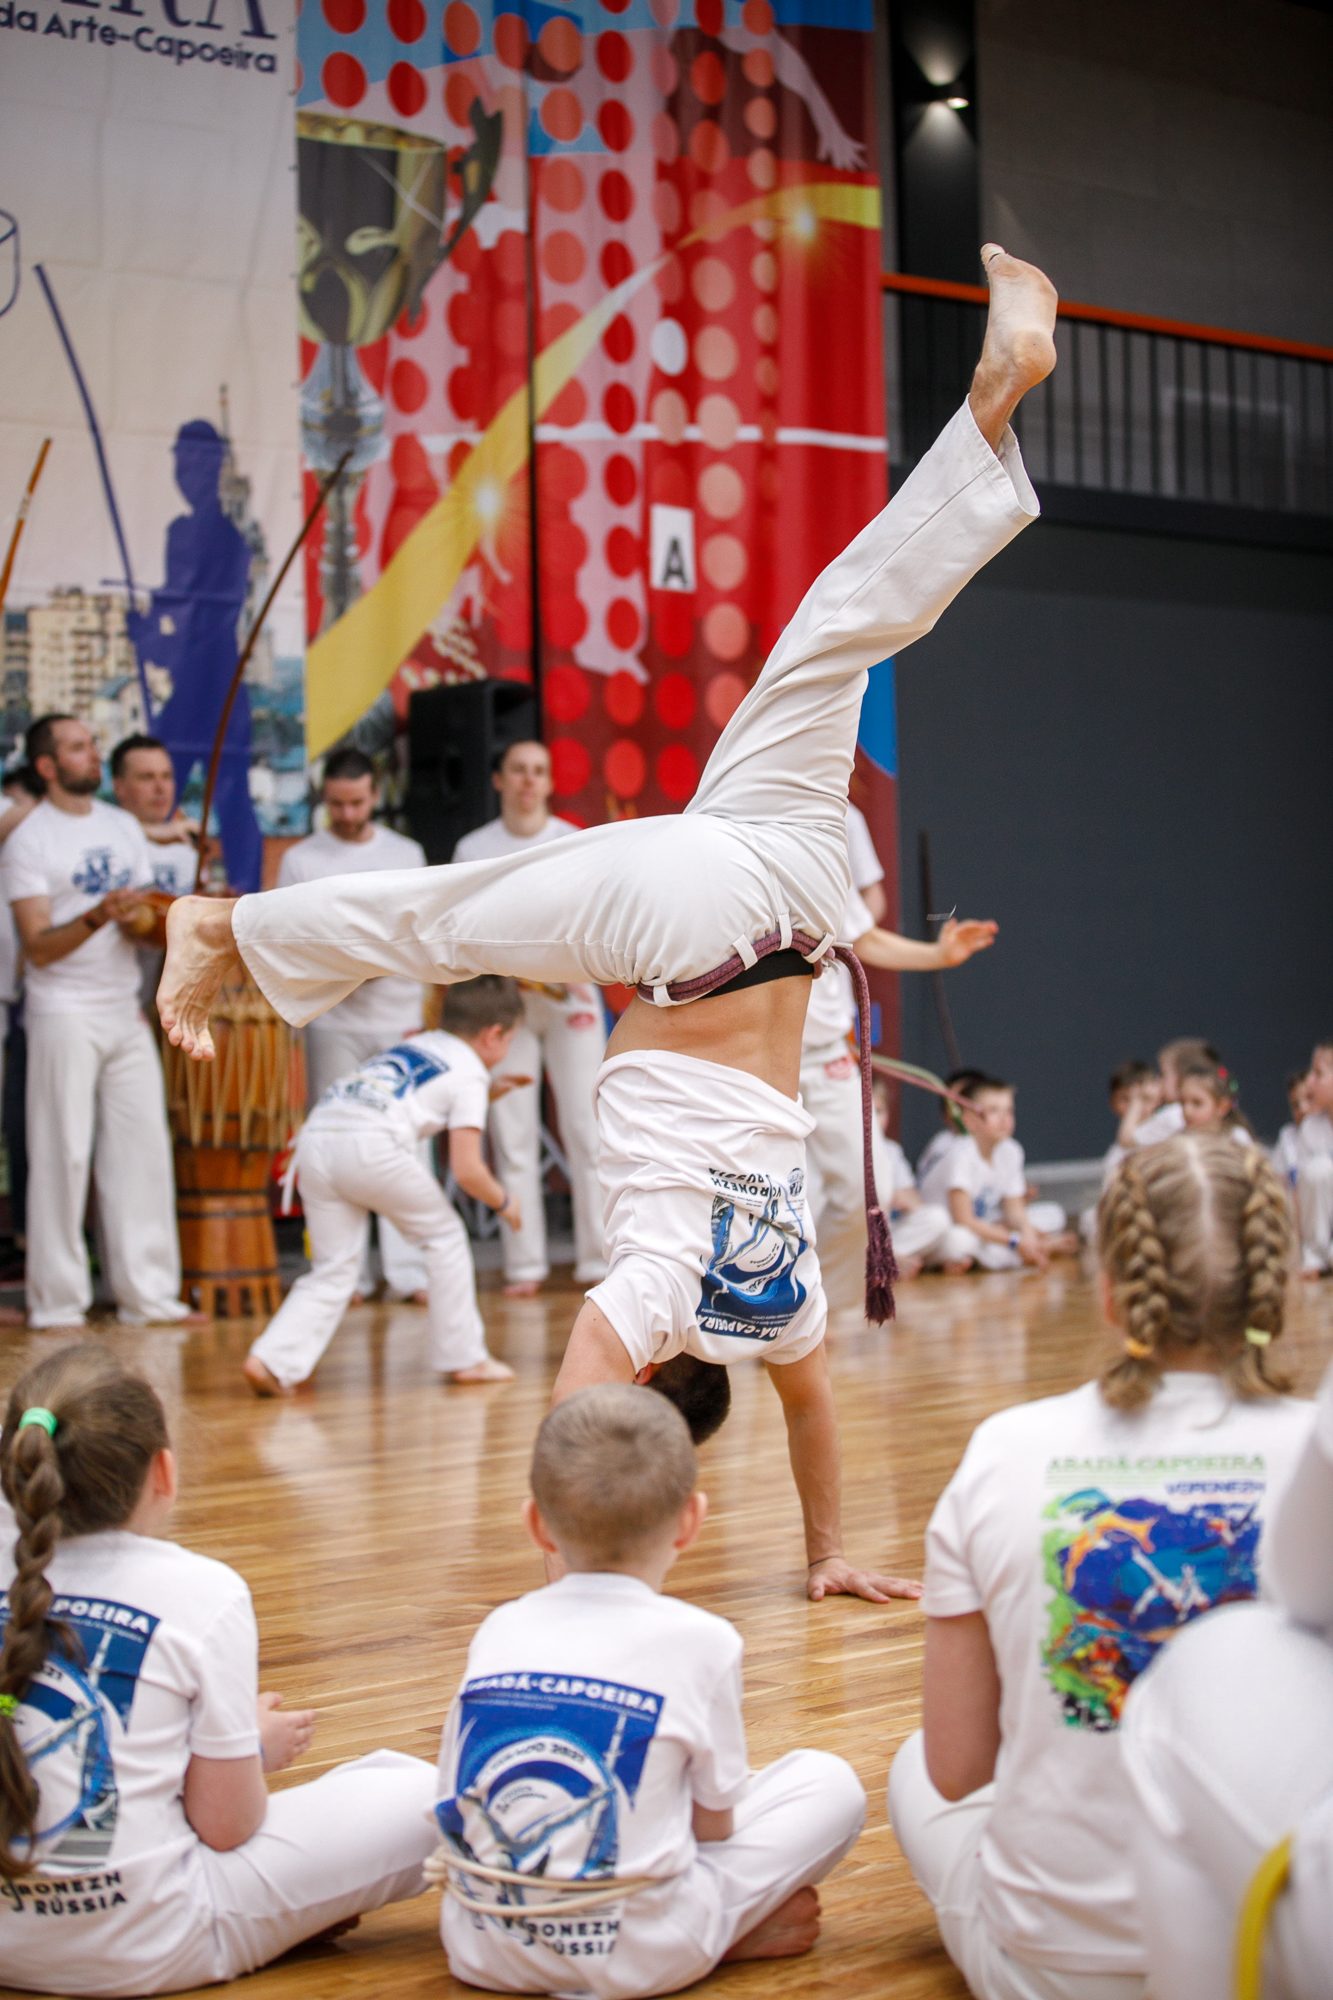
[672, 548]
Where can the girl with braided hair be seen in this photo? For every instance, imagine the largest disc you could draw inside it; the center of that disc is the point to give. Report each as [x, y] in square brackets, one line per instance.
[139, 1849]
[1079, 1535]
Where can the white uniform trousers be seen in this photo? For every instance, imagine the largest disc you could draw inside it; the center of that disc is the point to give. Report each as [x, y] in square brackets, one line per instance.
[350, 1841]
[1314, 1206]
[571, 1056]
[835, 1156]
[1228, 1741]
[331, 1053]
[761, 847]
[795, 1823]
[95, 1098]
[942, 1842]
[343, 1175]
[963, 1243]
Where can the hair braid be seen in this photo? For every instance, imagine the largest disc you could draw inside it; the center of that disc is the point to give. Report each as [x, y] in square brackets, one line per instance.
[1142, 1286]
[1266, 1247]
[36, 1491]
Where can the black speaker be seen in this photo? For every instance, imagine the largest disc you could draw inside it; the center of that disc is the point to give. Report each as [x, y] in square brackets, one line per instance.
[453, 735]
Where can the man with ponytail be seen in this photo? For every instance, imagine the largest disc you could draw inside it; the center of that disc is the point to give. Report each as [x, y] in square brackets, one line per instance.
[139, 1849]
[1078, 1536]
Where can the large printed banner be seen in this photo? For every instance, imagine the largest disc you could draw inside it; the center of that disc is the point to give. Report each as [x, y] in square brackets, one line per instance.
[662, 217]
[146, 170]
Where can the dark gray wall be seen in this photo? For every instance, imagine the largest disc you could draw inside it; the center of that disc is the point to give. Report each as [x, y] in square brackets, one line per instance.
[1120, 745]
[1173, 159]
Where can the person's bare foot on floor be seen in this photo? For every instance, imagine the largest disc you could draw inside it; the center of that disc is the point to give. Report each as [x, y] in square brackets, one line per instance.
[260, 1380]
[200, 952]
[1019, 349]
[487, 1370]
[787, 1932]
[522, 1288]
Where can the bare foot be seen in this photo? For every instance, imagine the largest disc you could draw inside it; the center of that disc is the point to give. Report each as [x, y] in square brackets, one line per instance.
[790, 1930]
[1019, 349]
[522, 1288]
[200, 951]
[958, 1268]
[909, 1268]
[357, 1299]
[260, 1379]
[489, 1370]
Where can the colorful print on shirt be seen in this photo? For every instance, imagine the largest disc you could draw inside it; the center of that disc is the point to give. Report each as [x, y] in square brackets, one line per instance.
[385, 1078]
[68, 1721]
[547, 1766]
[1138, 1548]
[750, 1287]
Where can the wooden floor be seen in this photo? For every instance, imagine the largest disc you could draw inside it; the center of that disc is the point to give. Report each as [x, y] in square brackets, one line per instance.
[376, 1521]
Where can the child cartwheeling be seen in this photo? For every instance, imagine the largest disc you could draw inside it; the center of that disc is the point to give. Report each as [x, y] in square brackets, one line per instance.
[602, 1832]
[140, 1851]
[358, 1155]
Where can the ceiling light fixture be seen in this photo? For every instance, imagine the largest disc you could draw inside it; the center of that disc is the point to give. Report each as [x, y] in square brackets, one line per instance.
[956, 103]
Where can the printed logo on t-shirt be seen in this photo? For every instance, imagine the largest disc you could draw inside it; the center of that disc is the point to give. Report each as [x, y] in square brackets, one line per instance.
[100, 870]
[547, 1765]
[385, 1078]
[68, 1721]
[1127, 1566]
[750, 1288]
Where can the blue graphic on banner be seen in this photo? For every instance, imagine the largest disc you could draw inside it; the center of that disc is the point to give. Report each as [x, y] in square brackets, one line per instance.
[877, 732]
[67, 1721]
[546, 1766]
[750, 1288]
[395, 1074]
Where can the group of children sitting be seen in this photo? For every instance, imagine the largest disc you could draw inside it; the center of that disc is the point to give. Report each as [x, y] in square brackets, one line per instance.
[1085, 1816]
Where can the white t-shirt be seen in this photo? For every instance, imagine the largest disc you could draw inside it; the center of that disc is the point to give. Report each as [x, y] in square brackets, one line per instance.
[987, 1183]
[9, 956]
[593, 1716]
[831, 1013]
[1087, 1536]
[383, 1004]
[669, 1123]
[1316, 1132]
[175, 865]
[892, 1173]
[428, 1085]
[75, 859]
[1286, 1154]
[1166, 1121]
[169, 1671]
[931, 1155]
[494, 840]
[867, 868]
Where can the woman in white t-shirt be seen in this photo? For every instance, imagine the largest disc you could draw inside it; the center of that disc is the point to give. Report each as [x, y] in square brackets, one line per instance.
[1078, 1535]
[139, 1849]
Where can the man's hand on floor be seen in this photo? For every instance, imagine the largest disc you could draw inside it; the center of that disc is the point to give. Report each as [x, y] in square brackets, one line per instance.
[834, 1577]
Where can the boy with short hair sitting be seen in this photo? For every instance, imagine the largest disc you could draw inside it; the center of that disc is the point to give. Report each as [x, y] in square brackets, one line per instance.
[359, 1153]
[602, 1833]
[983, 1181]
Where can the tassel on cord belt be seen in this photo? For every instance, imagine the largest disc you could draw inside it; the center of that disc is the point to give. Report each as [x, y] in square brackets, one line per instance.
[881, 1265]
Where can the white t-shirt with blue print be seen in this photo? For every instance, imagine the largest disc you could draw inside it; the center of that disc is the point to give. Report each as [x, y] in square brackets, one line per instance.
[75, 859]
[428, 1084]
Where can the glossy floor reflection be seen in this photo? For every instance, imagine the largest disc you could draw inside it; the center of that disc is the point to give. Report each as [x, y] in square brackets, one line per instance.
[376, 1521]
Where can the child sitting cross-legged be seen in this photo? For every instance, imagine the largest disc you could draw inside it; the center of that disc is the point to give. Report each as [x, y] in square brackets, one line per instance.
[602, 1831]
[982, 1180]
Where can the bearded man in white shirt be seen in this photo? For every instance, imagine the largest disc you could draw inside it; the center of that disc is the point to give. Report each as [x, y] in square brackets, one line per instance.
[383, 1011]
[94, 1095]
[563, 1032]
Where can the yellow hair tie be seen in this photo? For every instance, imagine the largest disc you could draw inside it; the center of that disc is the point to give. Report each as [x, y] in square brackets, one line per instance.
[1140, 1350]
[1257, 1337]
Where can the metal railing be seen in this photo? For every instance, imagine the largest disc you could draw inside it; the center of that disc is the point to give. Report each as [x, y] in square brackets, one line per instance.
[1137, 406]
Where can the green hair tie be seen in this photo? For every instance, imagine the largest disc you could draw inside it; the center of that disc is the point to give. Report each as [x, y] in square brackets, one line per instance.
[9, 1705]
[46, 1418]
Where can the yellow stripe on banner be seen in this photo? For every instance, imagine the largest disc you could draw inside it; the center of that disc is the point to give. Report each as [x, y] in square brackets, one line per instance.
[349, 666]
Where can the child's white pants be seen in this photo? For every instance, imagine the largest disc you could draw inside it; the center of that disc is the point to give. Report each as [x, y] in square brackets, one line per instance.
[942, 1842]
[343, 1176]
[1228, 1742]
[794, 1824]
[761, 846]
[963, 1243]
[331, 1053]
[571, 1055]
[1314, 1205]
[95, 1098]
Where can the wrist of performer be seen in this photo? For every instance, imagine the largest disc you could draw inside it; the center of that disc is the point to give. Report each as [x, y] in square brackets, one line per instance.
[505, 1203]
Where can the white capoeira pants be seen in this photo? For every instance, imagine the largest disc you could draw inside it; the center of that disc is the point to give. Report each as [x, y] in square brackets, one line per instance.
[331, 1053]
[1228, 1741]
[95, 1100]
[566, 1038]
[834, 1155]
[1314, 1206]
[942, 1842]
[343, 1176]
[963, 1243]
[350, 1841]
[760, 849]
[796, 1822]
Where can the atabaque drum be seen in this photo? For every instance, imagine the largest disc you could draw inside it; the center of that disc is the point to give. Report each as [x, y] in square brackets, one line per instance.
[229, 1118]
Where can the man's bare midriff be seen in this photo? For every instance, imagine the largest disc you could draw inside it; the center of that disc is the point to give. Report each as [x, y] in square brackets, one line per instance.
[757, 1030]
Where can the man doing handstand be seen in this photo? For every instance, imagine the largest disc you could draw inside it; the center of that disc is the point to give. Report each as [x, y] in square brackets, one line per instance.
[728, 907]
